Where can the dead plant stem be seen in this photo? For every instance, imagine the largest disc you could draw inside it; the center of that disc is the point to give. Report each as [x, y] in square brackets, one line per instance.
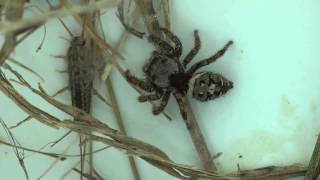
[314, 164]
[118, 116]
[271, 172]
[153, 26]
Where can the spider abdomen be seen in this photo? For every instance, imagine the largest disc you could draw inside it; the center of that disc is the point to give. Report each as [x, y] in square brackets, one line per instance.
[208, 86]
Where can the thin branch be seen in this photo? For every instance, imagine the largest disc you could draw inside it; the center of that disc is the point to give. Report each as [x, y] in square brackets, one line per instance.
[314, 164]
[56, 161]
[86, 175]
[114, 102]
[9, 26]
[112, 137]
[14, 141]
[26, 68]
[53, 155]
[270, 172]
[70, 170]
[153, 26]
[118, 116]
[167, 13]
[198, 139]
[13, 12]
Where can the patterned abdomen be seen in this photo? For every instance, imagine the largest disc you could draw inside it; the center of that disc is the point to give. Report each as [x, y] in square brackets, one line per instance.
[80, 74]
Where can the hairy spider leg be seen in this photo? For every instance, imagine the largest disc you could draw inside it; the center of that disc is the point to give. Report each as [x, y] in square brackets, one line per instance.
[194, 51]
[157, 110]
[181, 105]
[211, 59]
[150, 97]
[175, 40]
[162, 46]
[138, 82]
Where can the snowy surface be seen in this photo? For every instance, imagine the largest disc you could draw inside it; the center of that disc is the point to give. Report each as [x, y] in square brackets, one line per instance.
[270, 117]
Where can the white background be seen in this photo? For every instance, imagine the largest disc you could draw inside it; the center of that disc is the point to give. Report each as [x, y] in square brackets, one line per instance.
[270, 117]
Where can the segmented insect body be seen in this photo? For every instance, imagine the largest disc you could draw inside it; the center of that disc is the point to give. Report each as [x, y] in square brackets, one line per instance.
[80, 73]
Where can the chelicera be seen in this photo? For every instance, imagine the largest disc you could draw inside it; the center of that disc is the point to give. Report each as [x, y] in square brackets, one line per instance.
[165, 74]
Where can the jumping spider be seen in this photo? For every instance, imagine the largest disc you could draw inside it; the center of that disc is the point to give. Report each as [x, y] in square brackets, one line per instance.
[165, 74]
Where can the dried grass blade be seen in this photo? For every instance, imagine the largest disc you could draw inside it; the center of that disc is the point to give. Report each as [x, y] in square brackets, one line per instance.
[9, 27]
[153, 25]
[88, 124]
[271, 172]
[314, 164]
[13, 12]
[9, 91]
[19, 154]
[26, 68]
[53, 155]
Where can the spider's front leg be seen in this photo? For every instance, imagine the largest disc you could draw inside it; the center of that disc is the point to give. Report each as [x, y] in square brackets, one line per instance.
[175, 40]
[138, 82]
[162, 46]
[150, 97]
[194, 51]
[157, 110]
[211, 59]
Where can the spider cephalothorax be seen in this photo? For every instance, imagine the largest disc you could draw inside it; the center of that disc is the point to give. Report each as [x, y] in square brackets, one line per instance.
[166, 74]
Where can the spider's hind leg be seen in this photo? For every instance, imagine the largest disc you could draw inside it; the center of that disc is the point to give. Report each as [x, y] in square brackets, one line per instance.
[150, 97]
[138, 82]
[157, 110]
[194, 51]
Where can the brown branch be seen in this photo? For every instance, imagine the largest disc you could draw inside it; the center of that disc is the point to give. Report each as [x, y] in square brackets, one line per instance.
[149, 16]
[271, 172]
[13, 12]
[118, 116]
[198, 139]
[26, 23]
[19, 154]
[153, 26]
[112, 137]
[20, 101]
[166, 10]
[314, 164]
[53, 155]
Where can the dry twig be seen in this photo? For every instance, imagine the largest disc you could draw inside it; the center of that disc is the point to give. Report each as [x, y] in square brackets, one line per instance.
[153, 26]
[13, 12]
[88, 124]
[314, 164]
[9, 27]
[271, 172]
[19, 154]
[118, 116]
[116, 108]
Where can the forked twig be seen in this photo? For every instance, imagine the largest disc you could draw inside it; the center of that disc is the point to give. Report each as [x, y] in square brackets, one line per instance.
[153, 26]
